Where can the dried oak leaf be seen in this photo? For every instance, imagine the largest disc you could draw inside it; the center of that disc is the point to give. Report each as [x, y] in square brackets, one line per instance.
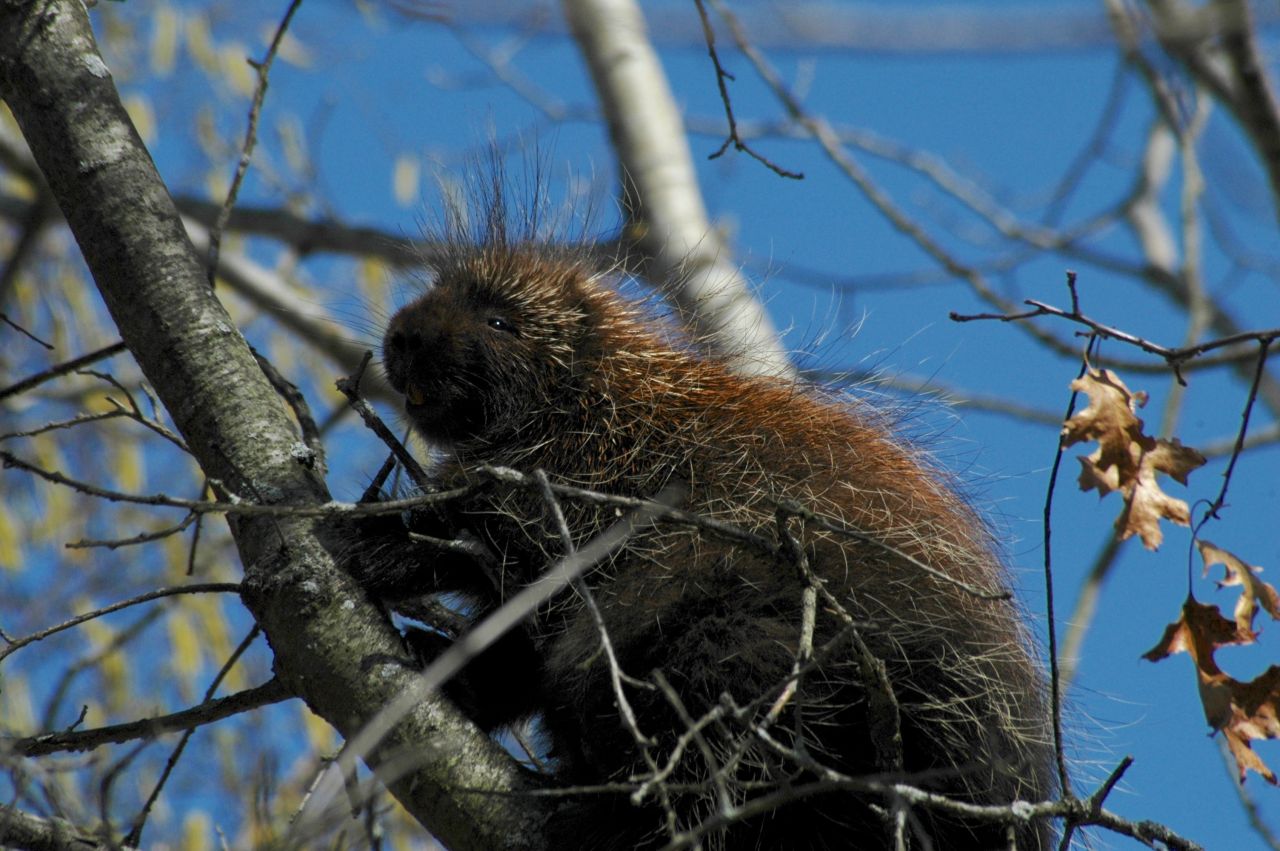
[1254, 592]
[1242, 711]
[1145, 502]
[1108, 419]
[1255, 714]
[1199, 631]
[1127, 460]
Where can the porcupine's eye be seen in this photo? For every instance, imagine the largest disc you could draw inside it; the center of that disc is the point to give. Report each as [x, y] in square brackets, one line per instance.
[497, 323]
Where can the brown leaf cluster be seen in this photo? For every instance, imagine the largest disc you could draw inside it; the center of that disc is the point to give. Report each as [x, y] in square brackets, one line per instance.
[1243, 712]
[1127, 460]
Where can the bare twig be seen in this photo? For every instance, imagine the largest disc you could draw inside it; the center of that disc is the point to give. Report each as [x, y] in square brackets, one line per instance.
[1055, 678]
[839, 155]
[808, 614]
[135, 833]
[722, 75]
[237, 505]
[140, 538]
[1085, 608]
[1175, 357]
[135, 411]
[272, 691]
[616, 673]
[1221, 499]
[204, 588]
[494, 626]
[263, 70]
[4, 317]
[884, 715]
[350, 387]
[61, 369]
[715, 770]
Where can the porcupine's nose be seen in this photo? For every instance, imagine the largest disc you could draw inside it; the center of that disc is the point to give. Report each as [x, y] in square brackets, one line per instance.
[400, 349]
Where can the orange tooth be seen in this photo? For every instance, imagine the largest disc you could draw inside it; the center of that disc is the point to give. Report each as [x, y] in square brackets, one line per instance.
[414, 395]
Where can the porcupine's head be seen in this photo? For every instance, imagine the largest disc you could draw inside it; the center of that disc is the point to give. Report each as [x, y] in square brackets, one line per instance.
[497, 342]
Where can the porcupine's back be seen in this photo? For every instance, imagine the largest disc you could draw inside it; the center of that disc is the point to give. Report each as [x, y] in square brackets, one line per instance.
[584, 385]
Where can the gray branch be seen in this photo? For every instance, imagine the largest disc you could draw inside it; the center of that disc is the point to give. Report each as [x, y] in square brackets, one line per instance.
[34, 833]
[667, 217]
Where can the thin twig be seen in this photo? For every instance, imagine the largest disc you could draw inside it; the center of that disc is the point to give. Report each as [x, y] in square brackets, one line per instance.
[4, 317]
[714, 769]
[616, 673]
[297, 402]
[495, 625]
[709, 35]
[140, 538]
[203, 588]
[263, 69]
[350, 387]
[239, 506]
[840, 156]
[1085, 608]
[1220, 501]
[61, 369]
[1173, 356]
[808, 614]
[272, 691]
[1055, 678]
[135, 833]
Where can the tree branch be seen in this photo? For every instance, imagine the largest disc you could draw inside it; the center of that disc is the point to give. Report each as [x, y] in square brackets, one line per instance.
[33, 833]
[667, 216]
[272, 691]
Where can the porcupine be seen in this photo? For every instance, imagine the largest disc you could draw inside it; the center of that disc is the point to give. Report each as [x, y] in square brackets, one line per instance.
[524, 355]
